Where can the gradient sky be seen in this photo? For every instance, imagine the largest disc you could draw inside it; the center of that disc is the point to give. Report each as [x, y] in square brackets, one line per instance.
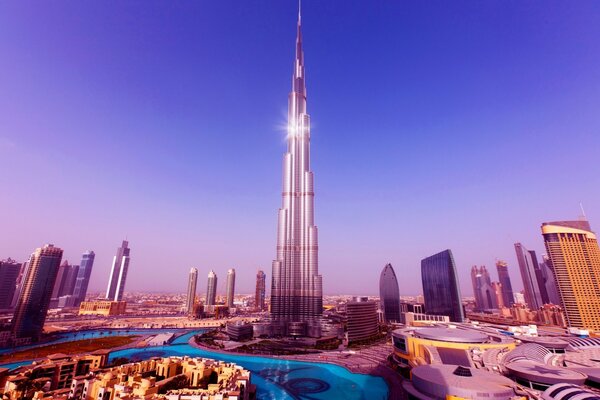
[460, 125]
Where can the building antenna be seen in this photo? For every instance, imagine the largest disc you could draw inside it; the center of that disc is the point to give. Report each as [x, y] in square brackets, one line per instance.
[583, 216]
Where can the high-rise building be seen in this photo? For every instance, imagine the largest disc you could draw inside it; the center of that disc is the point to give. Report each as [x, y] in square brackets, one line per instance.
[529, 268]
[230, 289]
[441, 290]
[497, 289]
[389, 294]
[549, 281]
[83, 277]
[504, 278]
[32, 306]
[361, 319]
[259, 297]
[9, 272]
[211, 289]
[297, 287]
[485, 299]
[574, 256]
[191, 291]
[118, 273]
[20, 281]
[65, 281]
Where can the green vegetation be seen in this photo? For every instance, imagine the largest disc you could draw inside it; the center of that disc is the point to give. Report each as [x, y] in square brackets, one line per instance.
[68, 348]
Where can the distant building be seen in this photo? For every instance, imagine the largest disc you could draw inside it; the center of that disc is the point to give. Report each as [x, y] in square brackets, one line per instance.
[362, 319]
[485, 299]
[519, 298]
[9, 272]
[65, 282]
[549, 281]
[20, 281]
[239, 331]
[83, 277]
[102, 307]
[574, 256]
[211, 289]
[497, 289]
[191, 292]
[389, 294]
[230, 289]
[32, 306]
[551, 314]
[441, 290]
[529, 268]
[118, 273]
[259, 297]
[504, 278]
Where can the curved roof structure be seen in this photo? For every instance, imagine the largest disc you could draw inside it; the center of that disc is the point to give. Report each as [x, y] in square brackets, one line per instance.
[444, 334]
[528, 352]
[583, 343]
[545, 374]
[563, 391]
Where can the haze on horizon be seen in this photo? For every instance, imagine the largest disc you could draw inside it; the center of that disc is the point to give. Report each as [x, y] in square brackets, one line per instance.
[435, 125]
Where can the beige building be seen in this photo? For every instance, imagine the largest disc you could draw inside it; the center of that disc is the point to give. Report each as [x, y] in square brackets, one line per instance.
[102, 307]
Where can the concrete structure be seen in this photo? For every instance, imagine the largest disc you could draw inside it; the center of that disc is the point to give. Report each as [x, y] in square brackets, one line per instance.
[261, 291]
[239, 331]
[389, 294]
[529, 268]
[191, 292]
[441, 290]
[102, 307]
[9, 272]
[362, 321]
[34, 300]
[504, 278]
[230, 289]
[485, 298]
[82, 280]
[297, 287]
[211, 289]
[118, 273]
[574, 257]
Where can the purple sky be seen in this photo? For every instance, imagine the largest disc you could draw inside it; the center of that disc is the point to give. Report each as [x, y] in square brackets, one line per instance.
[436, 125]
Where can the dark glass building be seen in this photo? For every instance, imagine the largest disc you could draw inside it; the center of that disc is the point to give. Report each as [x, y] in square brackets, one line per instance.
[259, 297]
[32, 306]
[507, 291]
[9, 272]
[83, 277]
[389, 294]
[440, 286]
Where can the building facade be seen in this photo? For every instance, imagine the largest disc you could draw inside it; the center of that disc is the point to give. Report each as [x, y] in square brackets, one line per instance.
[211, 289]
[389, 294]
[9, 272]
[105, 308]
[485, 298]
[361, 319]
[530, 273]
[230, 289]
[296, 285]
[65, 282]
[83, 277]
[504, 278]
[441, 290]
[261, 288]
[574, 257]
[34, 300]
[118, 273]
[191, 292]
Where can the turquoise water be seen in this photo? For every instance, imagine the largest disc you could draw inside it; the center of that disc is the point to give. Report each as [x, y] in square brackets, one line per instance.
[276, 379]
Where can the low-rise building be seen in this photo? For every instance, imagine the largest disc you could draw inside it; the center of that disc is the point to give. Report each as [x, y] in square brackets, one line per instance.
[102, 307]
[362, 319]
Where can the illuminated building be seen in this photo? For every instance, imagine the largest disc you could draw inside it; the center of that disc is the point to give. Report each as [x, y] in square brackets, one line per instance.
[118, 273]
[259, 297]
[574, 257]
[389, 294]
[191, 292]
[441, 290]
[297, 287]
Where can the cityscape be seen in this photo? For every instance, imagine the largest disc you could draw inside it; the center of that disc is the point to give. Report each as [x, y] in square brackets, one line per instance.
[380, 306]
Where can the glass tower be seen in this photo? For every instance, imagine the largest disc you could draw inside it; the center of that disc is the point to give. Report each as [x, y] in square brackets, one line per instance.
[259, 297]
[118, 273]
[230, 290]
[440, 286]
[530, 273]
[191, 292]
[389, 294]
[9, 272]
[83, 277]
[211, 289]
[504, 278]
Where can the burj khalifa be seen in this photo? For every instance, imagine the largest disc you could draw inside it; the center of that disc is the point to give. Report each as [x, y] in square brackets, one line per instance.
[297, 287]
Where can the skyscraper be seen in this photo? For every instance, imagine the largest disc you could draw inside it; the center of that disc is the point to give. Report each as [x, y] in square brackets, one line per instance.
[32, 306]
[297, 287]
[65, 280]
[529, 273]
[389, 294]
[191, 291]
[9, 272]
[574, 256]
[83, 277]
[441, 290]
[485, 298]
[211, 289]
[230, 290]
[504, 278]
[118, 273]
[497, 289]
[259, 297]
[549, 281]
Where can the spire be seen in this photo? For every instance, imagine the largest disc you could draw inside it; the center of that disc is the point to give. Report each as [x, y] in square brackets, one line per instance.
[298, 79]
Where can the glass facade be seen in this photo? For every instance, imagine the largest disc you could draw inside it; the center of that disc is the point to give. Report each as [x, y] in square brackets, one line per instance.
[389, 294]
[504, 278]
[529, 268]
[440, 286]
[83, 277]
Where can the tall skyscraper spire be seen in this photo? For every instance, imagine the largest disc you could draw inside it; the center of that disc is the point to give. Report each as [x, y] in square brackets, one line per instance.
[297, 294]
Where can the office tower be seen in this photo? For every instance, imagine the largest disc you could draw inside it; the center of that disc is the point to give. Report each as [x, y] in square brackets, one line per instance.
[83, 277]
[549, 281]
[20, 281]
[519, 298]
[504, 278]
[9, 272]
[65, 280]
[361, 317]
[191, 292]
[297, 288]
[32, 306]
[574, 256]
[118, 273]
[497, 290]
[389, 294]
[441, 291]
[485, 298]
[211, 289]
[259, 297]
[529, 273]
[230, 289]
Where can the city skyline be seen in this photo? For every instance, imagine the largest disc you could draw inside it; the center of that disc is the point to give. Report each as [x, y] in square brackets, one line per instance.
[470, 196]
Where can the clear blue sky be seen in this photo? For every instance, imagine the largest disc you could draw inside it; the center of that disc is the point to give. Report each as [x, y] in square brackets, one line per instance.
[460, 125]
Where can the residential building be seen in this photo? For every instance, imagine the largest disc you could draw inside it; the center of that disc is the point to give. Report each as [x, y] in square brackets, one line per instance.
[230, 289]
[211, 289]
[191, 292]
